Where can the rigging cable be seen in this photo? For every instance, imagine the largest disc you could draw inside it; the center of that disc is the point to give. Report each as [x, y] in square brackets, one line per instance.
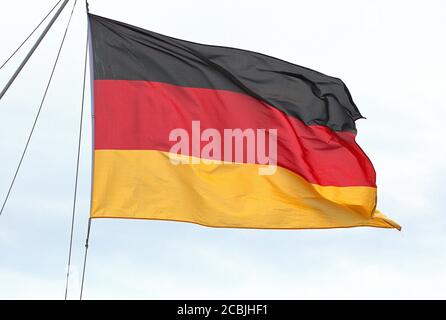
[77, 170]
[38, 112]
[85, 258]
[29, 36]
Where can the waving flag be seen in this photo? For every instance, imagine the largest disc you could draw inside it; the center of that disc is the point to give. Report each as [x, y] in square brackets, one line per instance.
[222, 137]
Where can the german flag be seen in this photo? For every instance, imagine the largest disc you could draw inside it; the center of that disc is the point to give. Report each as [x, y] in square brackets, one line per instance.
[222, 137]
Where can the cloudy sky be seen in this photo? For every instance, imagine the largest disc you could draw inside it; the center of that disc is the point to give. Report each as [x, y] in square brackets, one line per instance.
[391, 54]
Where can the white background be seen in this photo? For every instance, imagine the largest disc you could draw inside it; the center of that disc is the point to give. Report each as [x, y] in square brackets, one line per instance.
[391, 54]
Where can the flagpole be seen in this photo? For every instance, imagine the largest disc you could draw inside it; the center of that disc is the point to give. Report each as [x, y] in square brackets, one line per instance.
[73, 215]
[91, 57]
[34, 47]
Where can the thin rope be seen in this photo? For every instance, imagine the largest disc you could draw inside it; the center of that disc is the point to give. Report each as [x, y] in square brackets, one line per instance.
[38, 112]
[29, 36]
[85, 258]
[77, 171]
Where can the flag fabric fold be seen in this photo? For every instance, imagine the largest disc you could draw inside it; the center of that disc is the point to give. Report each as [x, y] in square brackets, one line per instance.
[151, 92]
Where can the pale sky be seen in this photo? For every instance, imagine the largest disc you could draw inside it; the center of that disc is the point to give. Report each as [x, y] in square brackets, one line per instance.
[391, 55]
